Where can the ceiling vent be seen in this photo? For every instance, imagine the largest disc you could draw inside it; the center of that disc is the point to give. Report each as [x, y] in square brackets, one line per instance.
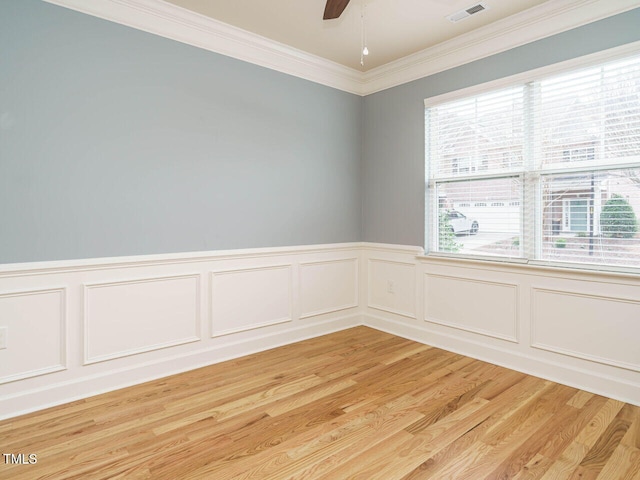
[467, 12]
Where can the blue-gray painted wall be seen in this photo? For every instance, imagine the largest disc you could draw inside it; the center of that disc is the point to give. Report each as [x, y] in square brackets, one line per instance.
[393, 183]
[118, 142]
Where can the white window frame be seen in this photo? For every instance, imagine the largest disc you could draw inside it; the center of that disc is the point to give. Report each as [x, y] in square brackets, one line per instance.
[531, 239]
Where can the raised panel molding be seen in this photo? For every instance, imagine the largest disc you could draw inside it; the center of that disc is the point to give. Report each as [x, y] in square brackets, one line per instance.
[557, 311]
[129, 317]
[33, 350]
[402, 274]
[328, 286]
[467, 303]
[268, 287]
[586, 326]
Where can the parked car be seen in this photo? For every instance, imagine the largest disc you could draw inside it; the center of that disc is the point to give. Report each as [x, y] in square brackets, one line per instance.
[460, 223]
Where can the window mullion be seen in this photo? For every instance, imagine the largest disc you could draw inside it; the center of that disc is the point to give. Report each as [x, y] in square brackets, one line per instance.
[531, 223]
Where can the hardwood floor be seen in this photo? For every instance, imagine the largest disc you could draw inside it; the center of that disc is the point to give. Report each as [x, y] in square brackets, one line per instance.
[355, 404]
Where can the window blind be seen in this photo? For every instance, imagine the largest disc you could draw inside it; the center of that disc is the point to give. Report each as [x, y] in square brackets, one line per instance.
[482, 134]
[547, 170]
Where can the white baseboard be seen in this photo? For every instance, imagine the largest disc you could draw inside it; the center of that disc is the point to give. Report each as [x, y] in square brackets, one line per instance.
[81, 387]
[549, 370]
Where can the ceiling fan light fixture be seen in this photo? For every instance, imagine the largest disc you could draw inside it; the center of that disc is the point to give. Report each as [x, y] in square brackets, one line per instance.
[334, 8]
[364, 51]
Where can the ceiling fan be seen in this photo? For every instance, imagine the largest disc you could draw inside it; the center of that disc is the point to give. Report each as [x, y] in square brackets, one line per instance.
[334, 8]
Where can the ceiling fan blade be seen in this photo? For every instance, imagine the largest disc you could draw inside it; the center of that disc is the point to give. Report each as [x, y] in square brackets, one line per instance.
[334, 8]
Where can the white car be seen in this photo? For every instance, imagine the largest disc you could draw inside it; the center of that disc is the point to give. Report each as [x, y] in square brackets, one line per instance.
[461, 223]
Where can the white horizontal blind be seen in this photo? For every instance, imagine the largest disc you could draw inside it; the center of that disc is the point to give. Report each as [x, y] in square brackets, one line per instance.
[591, 217]
[547, 170]
[588, 125]
[590, 118]
[477, 150]
[482, 134]
[480, 216]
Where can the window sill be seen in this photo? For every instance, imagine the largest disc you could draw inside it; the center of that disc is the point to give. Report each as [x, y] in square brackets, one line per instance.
[532, 267]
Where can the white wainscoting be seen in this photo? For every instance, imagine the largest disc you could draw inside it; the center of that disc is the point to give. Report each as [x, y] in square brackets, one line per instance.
[79, 328]
[35, 320]
[136, 316]
[328, 286]
[472, 304]
[392, 287]
[247, 298]
[83, 327]
[577, 328]
[592, 327]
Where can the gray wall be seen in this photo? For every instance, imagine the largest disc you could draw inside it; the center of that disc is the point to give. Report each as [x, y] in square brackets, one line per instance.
[393, 161]
[117, 142]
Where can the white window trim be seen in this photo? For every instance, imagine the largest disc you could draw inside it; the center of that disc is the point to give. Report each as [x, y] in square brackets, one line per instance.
[537, 74]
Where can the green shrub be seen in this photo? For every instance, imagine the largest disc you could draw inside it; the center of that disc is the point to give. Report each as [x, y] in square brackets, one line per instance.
[618, 218]
[447, 241]
[561, 243]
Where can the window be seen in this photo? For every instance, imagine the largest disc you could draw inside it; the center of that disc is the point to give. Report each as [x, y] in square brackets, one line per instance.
[545, 170]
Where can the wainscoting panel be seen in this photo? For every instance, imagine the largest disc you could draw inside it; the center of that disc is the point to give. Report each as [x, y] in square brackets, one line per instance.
[478, 306]
[392, 287]
[34, 323]
[135, 316]
[328, 286]
[248, 298]
[587, 326]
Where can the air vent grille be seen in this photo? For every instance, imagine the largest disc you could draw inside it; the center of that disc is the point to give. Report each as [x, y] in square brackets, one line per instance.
[467, 12]
[475, 9]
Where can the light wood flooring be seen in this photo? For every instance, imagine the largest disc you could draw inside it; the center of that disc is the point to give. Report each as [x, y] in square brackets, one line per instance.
[355, 404]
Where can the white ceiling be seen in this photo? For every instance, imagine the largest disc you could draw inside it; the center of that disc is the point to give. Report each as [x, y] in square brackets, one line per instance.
[394, 28]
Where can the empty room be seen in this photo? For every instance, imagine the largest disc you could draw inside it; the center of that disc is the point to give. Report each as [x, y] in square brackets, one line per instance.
[320, 239]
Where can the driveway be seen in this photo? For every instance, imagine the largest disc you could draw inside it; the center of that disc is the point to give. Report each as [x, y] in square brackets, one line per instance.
[471, 242]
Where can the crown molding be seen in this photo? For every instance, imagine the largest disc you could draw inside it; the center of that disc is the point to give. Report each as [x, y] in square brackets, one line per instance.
[176, 23]
[173, 22]
[545, 20]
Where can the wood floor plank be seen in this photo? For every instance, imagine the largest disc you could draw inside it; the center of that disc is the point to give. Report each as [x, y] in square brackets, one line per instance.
[599, 455]
[624, 464]
[580, 398]
[565, 430]
[527, 457]
[326, 437]
[410, 453]
[354, 404]
[534, 469]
